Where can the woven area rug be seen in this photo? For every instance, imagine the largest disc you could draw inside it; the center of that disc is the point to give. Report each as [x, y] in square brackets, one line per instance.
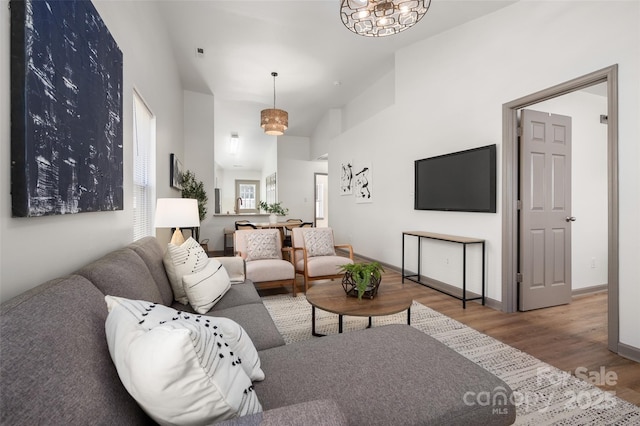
[543, 395]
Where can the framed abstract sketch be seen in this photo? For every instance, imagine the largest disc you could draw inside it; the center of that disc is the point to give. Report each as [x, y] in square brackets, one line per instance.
[175, 172]
[346, 178]
[362, 184]
[66, 110]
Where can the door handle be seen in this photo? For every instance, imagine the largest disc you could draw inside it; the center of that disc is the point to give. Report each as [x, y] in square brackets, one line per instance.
[570, 219]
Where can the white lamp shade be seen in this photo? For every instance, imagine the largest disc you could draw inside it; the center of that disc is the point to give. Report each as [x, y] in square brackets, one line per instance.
[177, 213]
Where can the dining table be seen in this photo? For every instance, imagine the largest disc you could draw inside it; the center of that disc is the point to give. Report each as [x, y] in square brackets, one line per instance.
[278, 225]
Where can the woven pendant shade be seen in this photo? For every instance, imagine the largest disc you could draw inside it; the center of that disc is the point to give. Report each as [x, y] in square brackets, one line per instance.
[274, 121]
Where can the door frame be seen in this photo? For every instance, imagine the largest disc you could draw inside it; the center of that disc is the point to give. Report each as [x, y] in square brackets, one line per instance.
[315, 192]
[510, 176]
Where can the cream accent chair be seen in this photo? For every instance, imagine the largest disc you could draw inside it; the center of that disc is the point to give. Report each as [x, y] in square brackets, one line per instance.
[262, 251]
[318, 263]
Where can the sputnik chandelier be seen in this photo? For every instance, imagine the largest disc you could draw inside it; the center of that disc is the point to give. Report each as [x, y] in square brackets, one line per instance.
[274, 121]
[379, 18]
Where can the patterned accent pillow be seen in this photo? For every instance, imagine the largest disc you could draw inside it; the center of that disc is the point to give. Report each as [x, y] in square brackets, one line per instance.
[319, 242]
[205, 288]
[201, 376]
[262, 245]
[187, 258]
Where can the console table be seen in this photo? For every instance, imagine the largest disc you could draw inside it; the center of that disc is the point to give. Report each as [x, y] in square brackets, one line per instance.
[465, 241]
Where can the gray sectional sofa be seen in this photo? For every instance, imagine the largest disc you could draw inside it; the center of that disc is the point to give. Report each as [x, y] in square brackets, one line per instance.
[55, 366]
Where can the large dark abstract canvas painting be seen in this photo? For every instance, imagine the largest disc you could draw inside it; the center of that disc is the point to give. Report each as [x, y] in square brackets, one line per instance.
[66, 110]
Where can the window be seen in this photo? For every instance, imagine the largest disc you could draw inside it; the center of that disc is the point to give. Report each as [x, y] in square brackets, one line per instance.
[247, 196]
[144, 141]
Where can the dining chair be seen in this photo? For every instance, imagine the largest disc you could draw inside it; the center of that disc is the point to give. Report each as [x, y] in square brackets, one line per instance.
[315, 256]
[291, 223]
[245, 224]
[263, 254]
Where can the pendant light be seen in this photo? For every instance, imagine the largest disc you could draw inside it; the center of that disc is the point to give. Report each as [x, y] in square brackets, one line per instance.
[274, 121]
[379, 18]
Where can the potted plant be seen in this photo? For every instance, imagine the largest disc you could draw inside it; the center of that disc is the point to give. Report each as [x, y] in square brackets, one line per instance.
[193, 188]
[362, 279]
[275, 209]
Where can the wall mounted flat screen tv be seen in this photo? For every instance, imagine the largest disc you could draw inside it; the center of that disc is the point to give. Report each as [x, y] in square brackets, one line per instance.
[462, 181]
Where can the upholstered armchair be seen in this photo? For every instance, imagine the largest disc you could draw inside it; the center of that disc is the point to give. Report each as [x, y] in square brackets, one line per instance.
[315, 254]
[262, 251]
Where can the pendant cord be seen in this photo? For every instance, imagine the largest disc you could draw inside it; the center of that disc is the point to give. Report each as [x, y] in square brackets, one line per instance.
[274, 74]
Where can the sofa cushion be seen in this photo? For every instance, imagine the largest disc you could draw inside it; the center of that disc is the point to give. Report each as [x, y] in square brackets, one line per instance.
[206, 288]
[256, 321]
[423, 381]
[198, 379]
[152, 253]
[55, 366]
[122, 273]
[238, 294]
[179, 260]
[316, 413]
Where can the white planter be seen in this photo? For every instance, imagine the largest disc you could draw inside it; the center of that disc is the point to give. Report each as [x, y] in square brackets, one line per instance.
[273, 218]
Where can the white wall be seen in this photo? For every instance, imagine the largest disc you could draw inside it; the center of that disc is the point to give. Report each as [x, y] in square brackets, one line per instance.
[449, 91]
[328, 128]
[269, 167]
[198, 149]
[295, 177]
[37, 249]
[379, 96]
[589, 234]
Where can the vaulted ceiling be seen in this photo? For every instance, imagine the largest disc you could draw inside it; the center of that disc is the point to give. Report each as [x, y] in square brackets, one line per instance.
[321, 64]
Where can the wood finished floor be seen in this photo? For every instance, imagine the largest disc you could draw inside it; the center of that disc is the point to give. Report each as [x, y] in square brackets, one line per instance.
[566, 337]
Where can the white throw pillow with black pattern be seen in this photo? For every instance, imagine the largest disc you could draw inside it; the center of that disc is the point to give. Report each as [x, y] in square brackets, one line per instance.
[179, 260]
[319, 242]
[181, 368]
[262, 245]
[205, 288]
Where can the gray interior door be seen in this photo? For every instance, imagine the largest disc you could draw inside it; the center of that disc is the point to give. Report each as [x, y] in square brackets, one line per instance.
[545, 213]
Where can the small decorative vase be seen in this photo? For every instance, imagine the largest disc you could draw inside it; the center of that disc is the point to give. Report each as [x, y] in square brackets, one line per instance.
[273, 218]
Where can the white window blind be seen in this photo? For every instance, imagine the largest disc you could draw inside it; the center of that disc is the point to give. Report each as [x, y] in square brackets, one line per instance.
[144, 130]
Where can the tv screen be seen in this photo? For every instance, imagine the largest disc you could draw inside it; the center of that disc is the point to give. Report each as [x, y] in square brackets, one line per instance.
[461, 181]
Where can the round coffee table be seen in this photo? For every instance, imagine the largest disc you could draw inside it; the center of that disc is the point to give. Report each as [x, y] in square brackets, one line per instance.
[331, 297]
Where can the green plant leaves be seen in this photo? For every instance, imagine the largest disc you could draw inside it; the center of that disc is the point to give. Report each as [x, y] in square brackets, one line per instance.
[193, 188]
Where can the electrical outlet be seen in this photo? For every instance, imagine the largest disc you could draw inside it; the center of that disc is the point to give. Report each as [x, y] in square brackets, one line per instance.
[446, 261]
[593, 262]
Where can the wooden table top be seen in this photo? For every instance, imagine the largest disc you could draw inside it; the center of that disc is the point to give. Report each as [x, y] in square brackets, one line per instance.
[444, 237]
[330, 296]
[276, 225]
